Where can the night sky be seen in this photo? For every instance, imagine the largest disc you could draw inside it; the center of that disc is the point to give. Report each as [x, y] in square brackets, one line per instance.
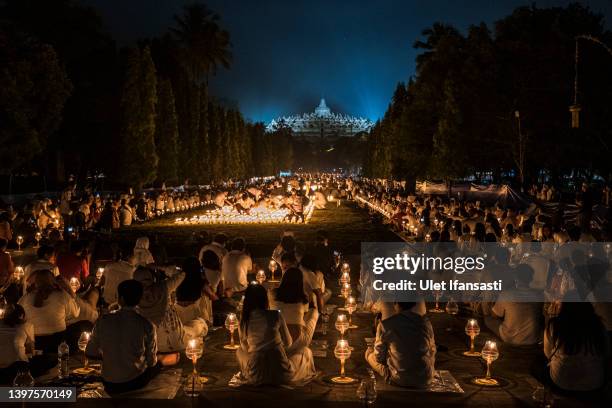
[290, 53]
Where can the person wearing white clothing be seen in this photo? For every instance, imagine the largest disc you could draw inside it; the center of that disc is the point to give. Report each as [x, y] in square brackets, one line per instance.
[142, 255]
[48, 307]
[45, 261]
[17, 337]
[115, 273]
[236, 265]
[126, 342]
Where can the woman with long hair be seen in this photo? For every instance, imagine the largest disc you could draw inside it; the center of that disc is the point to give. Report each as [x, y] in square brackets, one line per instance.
[49, 305]
[267, 354]
[264, 338]
[291, 300]
[576, 345]
[194, 298]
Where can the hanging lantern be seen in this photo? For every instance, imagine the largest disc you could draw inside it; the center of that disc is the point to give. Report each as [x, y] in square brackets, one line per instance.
[575, 112]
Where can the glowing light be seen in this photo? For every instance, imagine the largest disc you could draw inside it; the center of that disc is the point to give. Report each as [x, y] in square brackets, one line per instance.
[257, 215]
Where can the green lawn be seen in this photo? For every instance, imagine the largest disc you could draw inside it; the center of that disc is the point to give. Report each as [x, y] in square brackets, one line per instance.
[347, 226]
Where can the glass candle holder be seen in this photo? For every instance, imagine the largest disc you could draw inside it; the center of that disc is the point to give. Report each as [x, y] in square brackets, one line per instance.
[351, 306]
[489, 354]
[272, 269]
[437, 294]
[38, 237]
[345, 277]
[452, 308]
[472, 329]
[342, 352]
[345, 291]
[19, 241]
[231, 324]
[82, 343]
[342, 324]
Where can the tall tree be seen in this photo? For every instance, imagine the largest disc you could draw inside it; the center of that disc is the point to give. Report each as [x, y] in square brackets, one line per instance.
[139, 159]
[34, 89]
[166, 133]
[202, 46]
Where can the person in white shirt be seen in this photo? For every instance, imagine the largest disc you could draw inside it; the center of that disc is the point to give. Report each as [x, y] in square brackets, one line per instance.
[157, 306]
[516, 317]
[115, 273]
[142, 255]
[266, 354]
[126, 342]
[244, 203]
[126, 214]
[48, 306]
[17, 337]
[312, 282]
[46, 256]
[217, 246]
[577, 348]
[237, 264]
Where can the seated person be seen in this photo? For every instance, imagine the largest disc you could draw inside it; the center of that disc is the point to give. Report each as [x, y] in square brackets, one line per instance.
[244, 203]
[126, 342]
[515, 317]
[404, 351]
[157, 306]
[235, 267]
[194, 298]
[291, 300]
[313, 282]
[88, 312]
[576, 345]
[264, 341]
[48, 306]
[17, 336]
[116, 272]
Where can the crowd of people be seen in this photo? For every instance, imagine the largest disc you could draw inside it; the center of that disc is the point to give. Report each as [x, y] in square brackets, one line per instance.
[73, 211]
[550, 258]
[142, 311]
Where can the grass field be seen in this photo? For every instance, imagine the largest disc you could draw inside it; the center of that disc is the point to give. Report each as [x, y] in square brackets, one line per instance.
[347, 226]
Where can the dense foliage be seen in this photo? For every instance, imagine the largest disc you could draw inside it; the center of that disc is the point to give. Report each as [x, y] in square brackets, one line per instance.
[459, 116]
[146, 108]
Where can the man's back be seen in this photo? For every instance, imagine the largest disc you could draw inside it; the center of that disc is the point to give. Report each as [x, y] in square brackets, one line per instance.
[236, 265]
[522, 323]
[127, 343]
[410, 348]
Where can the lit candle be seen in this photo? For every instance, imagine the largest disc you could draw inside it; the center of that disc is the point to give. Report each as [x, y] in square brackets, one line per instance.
[342, 352]
[19, 273]
[345, 278]
[472, 329]
[260, 276]
[342, 324]
[489, 353]
[231, 324]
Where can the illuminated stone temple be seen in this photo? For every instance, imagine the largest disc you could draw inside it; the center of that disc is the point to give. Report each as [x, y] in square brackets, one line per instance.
[322, 123]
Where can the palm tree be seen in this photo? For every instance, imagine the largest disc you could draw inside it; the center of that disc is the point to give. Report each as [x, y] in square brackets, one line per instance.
[204, 44]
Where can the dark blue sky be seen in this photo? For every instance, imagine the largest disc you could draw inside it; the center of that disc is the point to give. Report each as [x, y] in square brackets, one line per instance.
[290, 53]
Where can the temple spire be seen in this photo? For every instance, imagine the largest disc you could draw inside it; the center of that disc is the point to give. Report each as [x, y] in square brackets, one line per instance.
[322, 109]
